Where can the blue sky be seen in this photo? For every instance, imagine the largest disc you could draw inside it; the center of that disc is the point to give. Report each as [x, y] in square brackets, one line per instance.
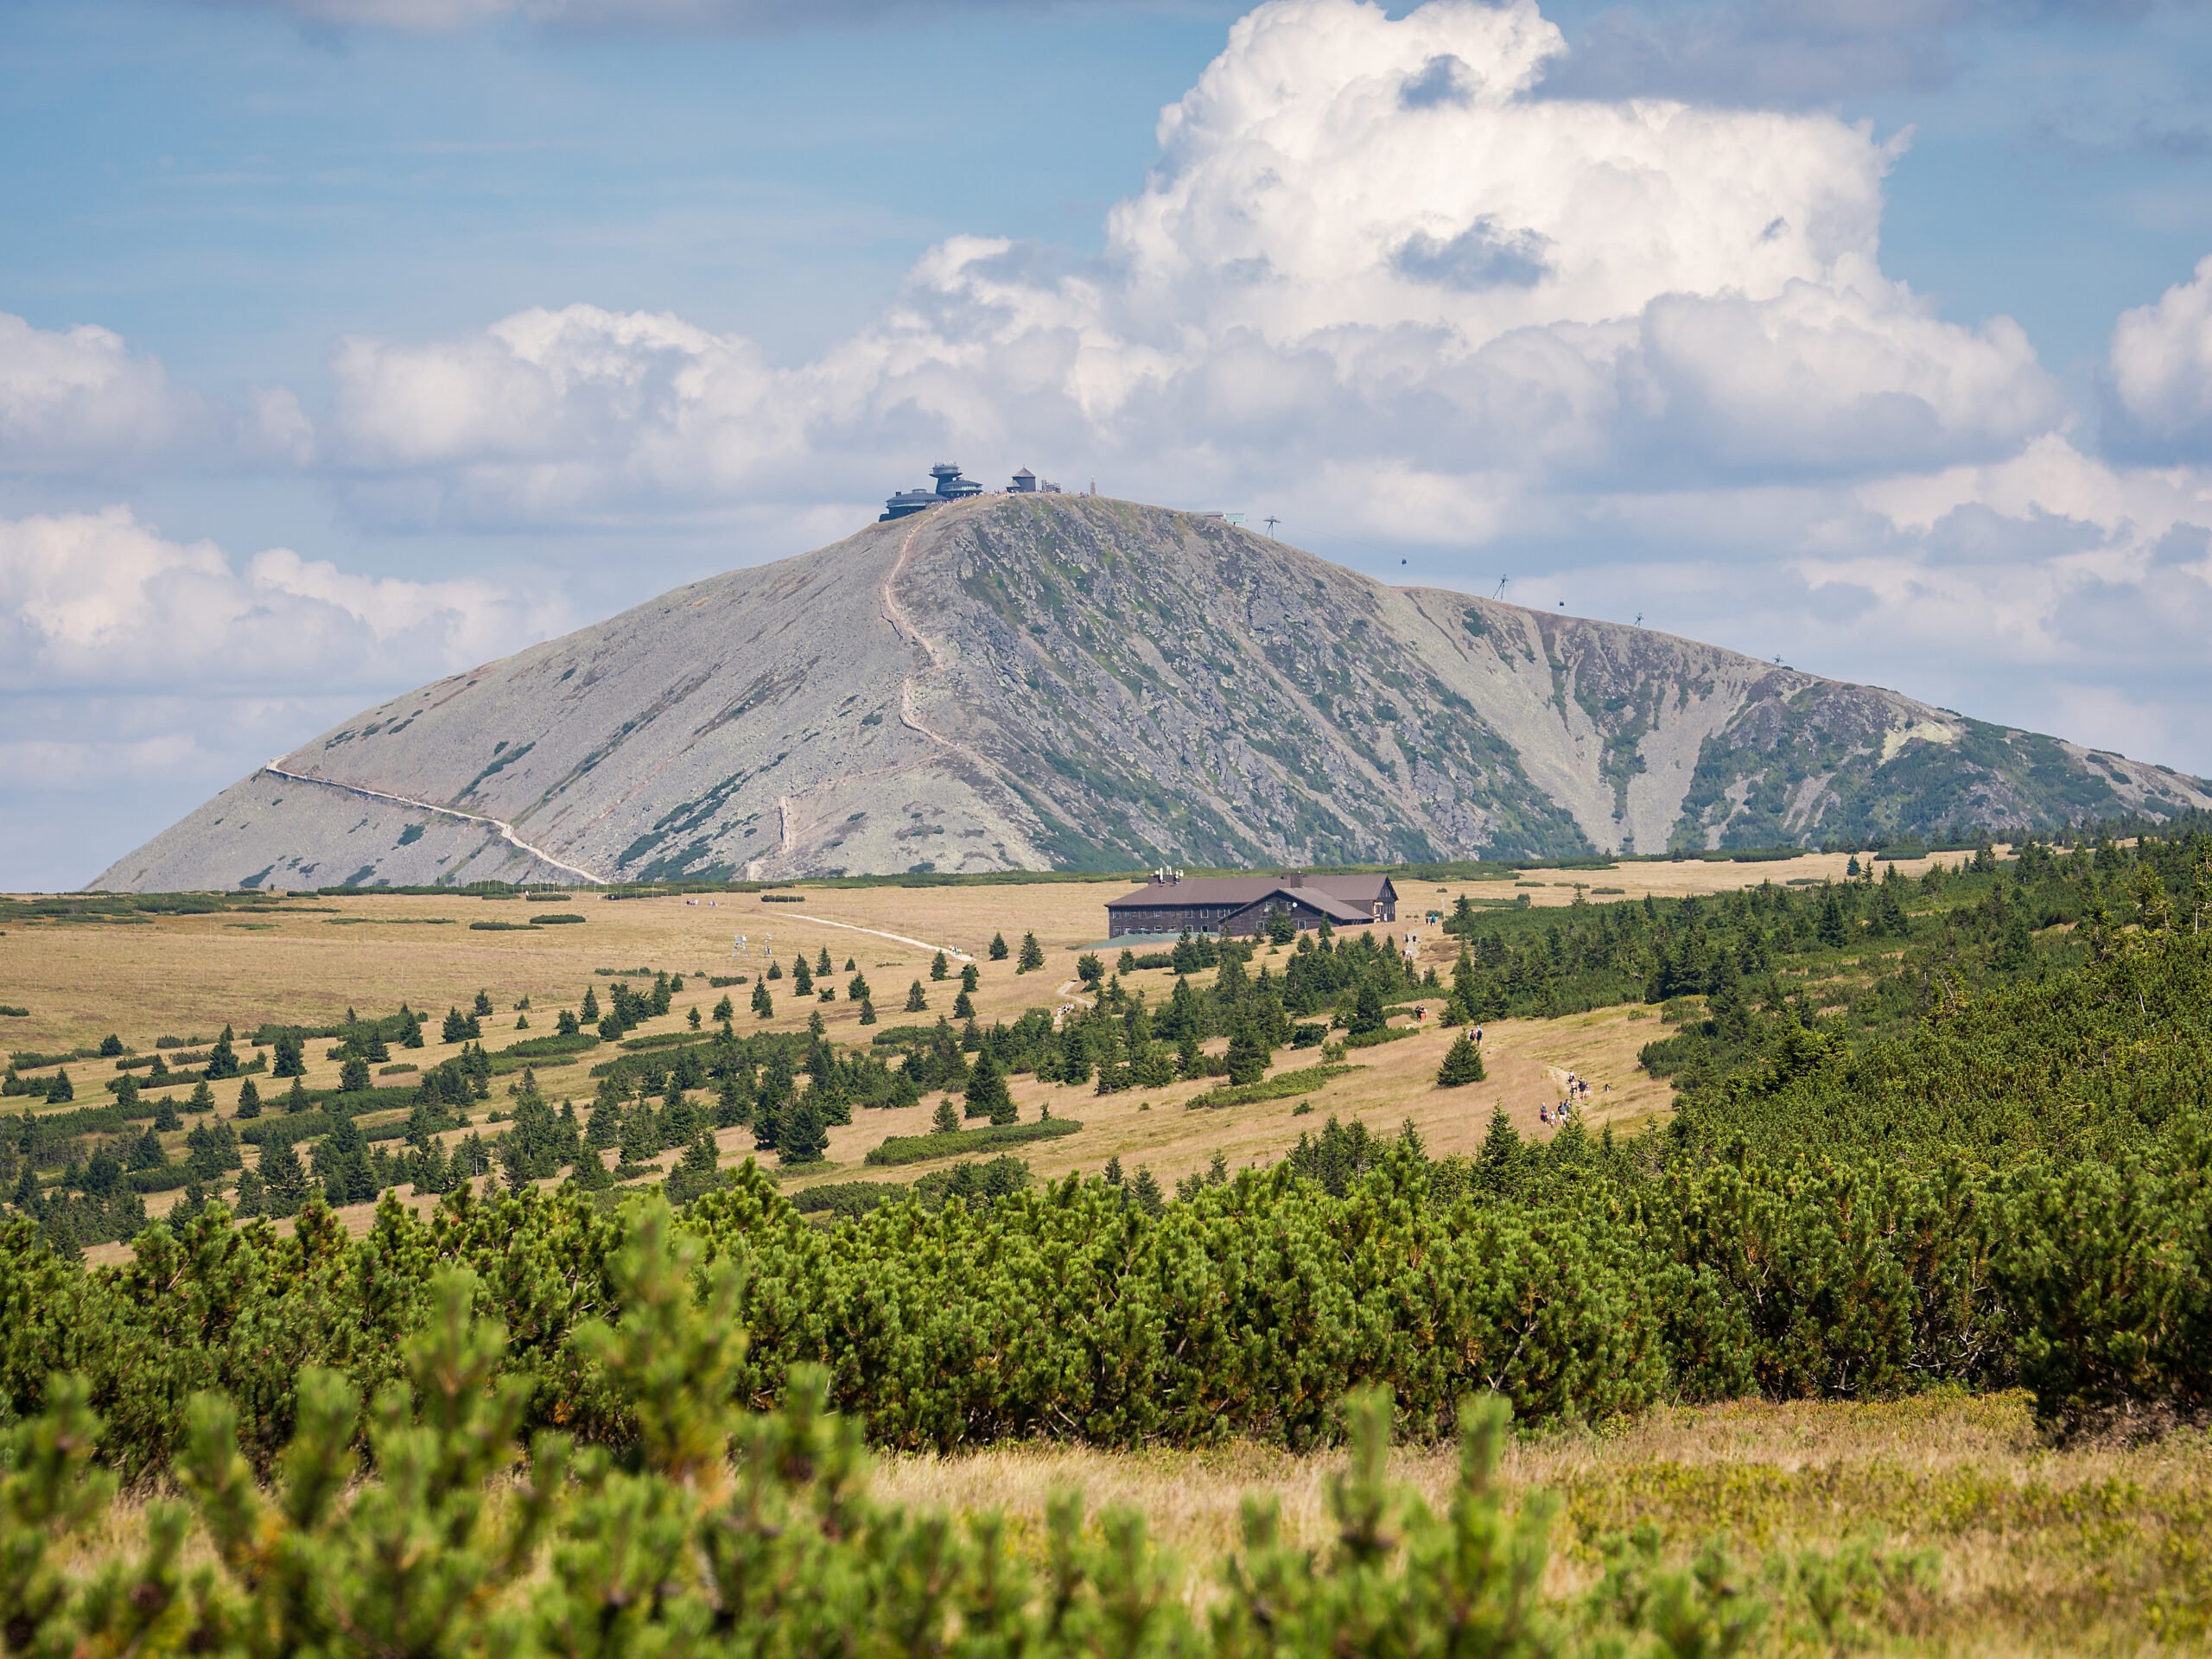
[347, 342]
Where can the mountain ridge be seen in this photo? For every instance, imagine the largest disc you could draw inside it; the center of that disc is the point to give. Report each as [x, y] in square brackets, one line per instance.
[1075, 682]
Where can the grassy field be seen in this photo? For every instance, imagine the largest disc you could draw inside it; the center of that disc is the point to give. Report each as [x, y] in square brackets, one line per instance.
[1995, 1542]
[311, 959]
[308, 960]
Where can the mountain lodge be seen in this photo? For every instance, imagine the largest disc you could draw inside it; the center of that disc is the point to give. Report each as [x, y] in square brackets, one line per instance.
[1241, 904]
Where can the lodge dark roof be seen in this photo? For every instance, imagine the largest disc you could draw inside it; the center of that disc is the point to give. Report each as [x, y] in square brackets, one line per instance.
[1341, 897]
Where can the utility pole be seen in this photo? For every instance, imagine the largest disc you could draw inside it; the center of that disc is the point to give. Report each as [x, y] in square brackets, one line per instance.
[1500, 594]
[1271, 521]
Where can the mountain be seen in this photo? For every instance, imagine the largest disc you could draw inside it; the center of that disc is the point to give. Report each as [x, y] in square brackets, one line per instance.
[1073, 682]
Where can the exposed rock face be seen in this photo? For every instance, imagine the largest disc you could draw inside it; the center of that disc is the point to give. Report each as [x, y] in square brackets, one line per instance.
[1040, 681]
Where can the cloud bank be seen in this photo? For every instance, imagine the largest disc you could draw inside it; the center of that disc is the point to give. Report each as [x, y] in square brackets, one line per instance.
[78, 400]
[1366, 243]
[100, 602]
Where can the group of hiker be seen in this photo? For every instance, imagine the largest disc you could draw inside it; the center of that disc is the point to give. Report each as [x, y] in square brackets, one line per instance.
[1576, 1096]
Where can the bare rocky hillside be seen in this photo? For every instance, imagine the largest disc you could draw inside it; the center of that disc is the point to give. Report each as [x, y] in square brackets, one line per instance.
[1082, 682]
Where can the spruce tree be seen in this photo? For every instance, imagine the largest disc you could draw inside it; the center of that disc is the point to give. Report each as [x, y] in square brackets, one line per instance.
[253, 1198]
[248, 1100]
[223, 1058]
[822, 964]
[603, 1128]
[947, 1118]
[1248, 1055]
[964, 1006]
[1033, 954]
[804, 1138]
[483, 1005]
[296, 1099]
[856, 988]
[1498, 1166]
[165, 1117]
[801, 977]
[762, 1004]
[1463, 1064]
[917, 1000]
[986, 1094]
[695, 1173]
[1146, 1193]
[591, 1005]
[60, 1088]
[341, 1164]
[284, 1177]
[970, 978]
[998, 947]
[1368, 1017]
[640, 1137]
[868, 1013]
[939, 967]
[289, 1056]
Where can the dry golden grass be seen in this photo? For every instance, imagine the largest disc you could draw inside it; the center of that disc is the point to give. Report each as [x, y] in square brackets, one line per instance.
[187, 975]
[2031, 1549]
[2037, 1549]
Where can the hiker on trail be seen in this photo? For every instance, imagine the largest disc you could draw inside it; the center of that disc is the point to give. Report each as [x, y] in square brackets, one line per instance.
[1478, 1033]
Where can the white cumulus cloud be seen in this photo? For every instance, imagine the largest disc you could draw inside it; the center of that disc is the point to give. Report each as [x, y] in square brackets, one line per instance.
[79, 400]
[1367, 239]
[2160, 369]
[93, 601]
[69, 396]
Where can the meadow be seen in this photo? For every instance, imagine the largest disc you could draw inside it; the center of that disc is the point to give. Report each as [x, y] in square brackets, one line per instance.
[250, 961]
[1861, 1306]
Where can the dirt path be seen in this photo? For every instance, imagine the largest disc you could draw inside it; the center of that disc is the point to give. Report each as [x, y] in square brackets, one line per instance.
[902, 624]
[952, 950]
[506, 830]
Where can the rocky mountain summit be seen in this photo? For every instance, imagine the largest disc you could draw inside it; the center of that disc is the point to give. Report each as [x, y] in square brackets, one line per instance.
[1060, 681]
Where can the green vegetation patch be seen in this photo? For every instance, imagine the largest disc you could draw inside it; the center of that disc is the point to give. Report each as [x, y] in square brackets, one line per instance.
[1279, 1087]
[920, 1148]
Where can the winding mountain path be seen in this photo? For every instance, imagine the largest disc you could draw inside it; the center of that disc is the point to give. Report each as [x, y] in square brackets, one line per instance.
[902, 624]
[506, 830]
